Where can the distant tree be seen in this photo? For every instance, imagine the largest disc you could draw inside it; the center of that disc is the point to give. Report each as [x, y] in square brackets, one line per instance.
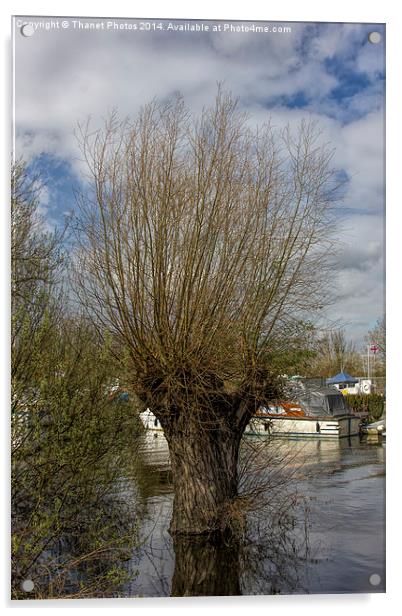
[377, 336]
[201, 241]
[294, 351]
[334, 353]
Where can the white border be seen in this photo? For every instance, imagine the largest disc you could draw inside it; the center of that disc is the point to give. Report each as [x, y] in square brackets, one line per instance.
[293, 10]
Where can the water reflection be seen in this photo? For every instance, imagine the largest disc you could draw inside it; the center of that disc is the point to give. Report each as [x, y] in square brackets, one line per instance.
[319, 526]
[206, 567]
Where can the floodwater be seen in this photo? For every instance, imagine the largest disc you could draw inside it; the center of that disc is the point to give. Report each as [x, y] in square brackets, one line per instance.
[333, 539]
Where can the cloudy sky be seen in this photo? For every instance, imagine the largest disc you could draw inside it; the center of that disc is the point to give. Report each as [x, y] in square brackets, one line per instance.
[328, 71]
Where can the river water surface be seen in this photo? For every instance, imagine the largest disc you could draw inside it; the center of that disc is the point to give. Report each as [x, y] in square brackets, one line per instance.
[333, 540]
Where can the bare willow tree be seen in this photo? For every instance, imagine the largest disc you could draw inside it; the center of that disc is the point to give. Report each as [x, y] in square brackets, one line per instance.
[200, 240]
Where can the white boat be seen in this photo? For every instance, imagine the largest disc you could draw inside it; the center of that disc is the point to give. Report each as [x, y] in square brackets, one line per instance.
[318, 412]
[375, 428]
[150, 422]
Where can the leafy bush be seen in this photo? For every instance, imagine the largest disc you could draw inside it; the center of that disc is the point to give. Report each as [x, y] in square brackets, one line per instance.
[373, 404]
[73, 528]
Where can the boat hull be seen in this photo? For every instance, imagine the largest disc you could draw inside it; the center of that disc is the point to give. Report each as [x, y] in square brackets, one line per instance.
[310, 427]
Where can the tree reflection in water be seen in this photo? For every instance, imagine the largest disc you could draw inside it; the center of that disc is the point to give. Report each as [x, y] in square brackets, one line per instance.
[206, 567]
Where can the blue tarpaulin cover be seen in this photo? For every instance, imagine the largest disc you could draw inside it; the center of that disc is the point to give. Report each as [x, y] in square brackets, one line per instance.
[342, 377]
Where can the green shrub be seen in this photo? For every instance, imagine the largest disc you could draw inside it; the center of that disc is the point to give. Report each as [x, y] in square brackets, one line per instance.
[373, 404]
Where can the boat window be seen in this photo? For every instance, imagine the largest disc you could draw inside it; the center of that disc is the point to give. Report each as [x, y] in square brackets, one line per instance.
[155, 422]
[336, 403]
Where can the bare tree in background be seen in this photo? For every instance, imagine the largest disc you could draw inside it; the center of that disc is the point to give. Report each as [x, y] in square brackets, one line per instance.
[335, 353]
[377, 336]
[201, 239]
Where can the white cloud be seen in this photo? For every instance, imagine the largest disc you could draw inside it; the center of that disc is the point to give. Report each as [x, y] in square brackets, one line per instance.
[334, 41]
[361, 153]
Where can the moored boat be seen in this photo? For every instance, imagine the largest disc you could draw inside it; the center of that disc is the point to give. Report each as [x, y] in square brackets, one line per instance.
[375, 428]
[315, 412]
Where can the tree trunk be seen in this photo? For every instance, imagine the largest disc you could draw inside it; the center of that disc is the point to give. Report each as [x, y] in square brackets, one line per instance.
[204, 470]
